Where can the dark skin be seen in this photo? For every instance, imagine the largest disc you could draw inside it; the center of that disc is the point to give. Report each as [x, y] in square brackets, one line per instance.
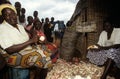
[35, 14]
[18, 7]
[30, 20]
[109, 29]
[11, 17]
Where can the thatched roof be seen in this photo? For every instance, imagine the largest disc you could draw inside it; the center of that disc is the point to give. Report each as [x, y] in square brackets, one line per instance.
[112, 7]
[77, 11]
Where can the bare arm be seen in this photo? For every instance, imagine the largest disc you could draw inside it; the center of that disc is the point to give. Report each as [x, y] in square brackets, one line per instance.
[18, 47]
[112, 46]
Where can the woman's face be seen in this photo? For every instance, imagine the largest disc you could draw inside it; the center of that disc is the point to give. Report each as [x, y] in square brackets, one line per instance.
[10, 16]
[107, 26]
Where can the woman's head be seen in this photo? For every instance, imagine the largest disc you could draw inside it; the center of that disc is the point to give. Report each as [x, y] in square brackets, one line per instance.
[35, 13]
[9, 14]
[37, 25]
[107, 25]
[30, 19]
[18, 7]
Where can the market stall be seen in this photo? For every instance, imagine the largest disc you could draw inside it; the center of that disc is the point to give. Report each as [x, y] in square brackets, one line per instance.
[81, 70]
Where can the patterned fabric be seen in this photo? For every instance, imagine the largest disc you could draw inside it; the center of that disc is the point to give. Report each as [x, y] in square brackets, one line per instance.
[42, 56]
[100, 57]
[25, 59]
[39, 55]
[52, 50]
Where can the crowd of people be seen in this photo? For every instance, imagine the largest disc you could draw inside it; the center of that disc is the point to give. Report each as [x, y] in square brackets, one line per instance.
[27, 43]
[47, 25]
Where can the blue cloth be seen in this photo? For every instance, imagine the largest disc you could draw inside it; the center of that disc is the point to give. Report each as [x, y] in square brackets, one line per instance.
[19, 73]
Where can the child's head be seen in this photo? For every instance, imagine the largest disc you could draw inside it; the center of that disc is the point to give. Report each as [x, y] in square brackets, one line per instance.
[37, 25]
[30, 19]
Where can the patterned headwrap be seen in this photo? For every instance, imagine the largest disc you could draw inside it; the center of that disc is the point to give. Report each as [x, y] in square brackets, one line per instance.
[7, 6]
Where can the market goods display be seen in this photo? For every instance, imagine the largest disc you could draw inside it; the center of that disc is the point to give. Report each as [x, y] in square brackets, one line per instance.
[82, 70]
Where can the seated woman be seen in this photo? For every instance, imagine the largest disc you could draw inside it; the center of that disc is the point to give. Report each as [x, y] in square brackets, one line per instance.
[107, 50]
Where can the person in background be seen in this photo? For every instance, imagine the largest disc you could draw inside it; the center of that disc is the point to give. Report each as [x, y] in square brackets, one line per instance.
[18, 9]
[37, 27]
[42, 27]
[4, 2]
[40, 73]
[42, 20]
[56, 27]
[29, 26]
[48, 30]
[48, 47]
[62, 28]
[35, 19]
[52, 22]
[107, 50]
[22, 18]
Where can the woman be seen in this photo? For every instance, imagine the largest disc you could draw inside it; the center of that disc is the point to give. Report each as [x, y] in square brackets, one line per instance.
[107, 50]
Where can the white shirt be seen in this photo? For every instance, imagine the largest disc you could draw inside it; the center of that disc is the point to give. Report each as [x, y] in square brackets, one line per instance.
[115, 38]
[56, 28]
[10, 36]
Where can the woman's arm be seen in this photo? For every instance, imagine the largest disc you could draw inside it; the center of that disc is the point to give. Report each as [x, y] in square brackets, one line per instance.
[112, 46]
[18, 47]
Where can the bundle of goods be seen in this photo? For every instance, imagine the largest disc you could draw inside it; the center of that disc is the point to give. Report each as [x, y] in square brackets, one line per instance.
[82, 70]
[42, 56]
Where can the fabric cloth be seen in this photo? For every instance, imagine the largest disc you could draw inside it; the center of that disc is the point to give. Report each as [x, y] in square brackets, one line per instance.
[56, 28]
[115, 38]
[30, 56]
[11, 36]
[5, 6]
[100, 57]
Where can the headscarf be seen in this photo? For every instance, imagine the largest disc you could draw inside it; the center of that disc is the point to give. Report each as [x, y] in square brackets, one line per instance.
[7, 6]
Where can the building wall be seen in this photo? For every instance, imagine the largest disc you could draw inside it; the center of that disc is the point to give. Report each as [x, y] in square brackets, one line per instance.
[91, 11]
